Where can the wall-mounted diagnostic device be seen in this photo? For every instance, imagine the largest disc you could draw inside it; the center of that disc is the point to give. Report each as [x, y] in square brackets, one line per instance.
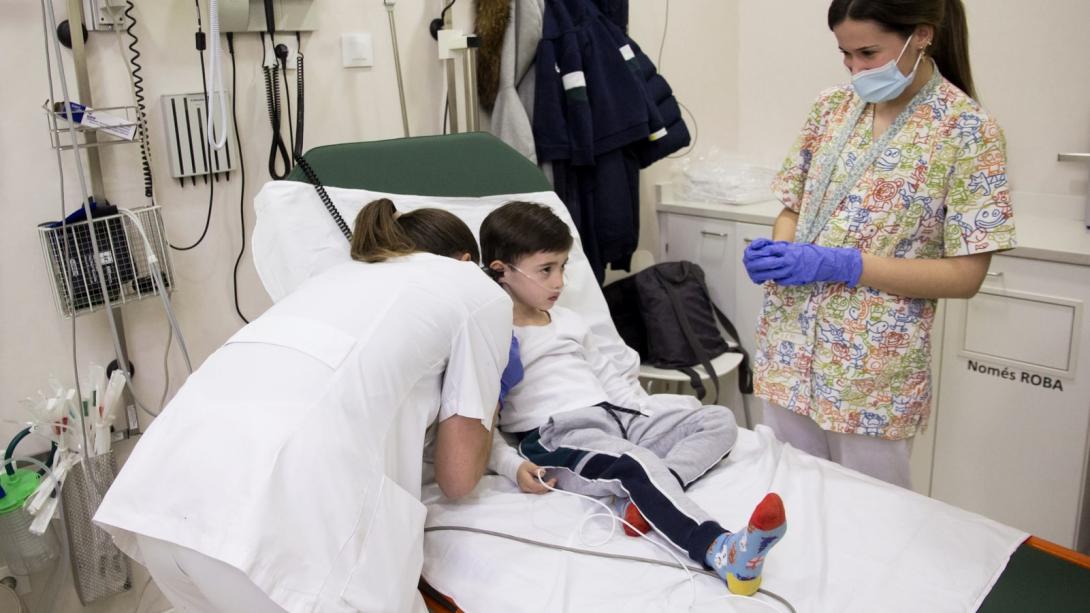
[184, 118]
[249, 15]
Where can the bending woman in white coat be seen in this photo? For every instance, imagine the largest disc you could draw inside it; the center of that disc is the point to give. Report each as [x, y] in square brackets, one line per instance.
[286, 473]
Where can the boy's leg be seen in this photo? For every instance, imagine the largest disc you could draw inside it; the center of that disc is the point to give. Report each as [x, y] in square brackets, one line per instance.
[689, 441]
[739, 558]
[586, 446]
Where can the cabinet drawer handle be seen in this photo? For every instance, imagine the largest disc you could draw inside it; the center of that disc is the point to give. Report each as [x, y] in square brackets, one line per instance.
[994, 275]
[716, 234]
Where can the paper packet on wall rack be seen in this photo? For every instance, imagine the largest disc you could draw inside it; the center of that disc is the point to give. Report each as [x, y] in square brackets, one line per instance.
[120, 127]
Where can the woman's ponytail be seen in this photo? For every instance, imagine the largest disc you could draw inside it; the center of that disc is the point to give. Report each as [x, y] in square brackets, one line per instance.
[377, 235]
[382, 233]
[951, 47]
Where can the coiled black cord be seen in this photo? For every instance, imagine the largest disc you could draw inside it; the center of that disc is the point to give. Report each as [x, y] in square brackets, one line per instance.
[277, 146]
[272, 98]
[298, 151]
[281, 51]
[326, 200]
[141, 106]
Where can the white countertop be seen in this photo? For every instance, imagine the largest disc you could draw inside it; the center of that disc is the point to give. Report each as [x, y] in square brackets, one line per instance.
[1052, 238]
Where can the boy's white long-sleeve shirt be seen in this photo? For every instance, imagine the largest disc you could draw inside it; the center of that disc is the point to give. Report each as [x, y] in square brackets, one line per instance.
[563, 370]
[566, 367]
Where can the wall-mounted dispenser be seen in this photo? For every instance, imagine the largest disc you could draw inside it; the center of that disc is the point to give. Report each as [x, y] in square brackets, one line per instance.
[249, 15]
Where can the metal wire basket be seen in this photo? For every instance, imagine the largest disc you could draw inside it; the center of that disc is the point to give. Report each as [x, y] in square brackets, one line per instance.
[60, 137]
[99, 568]
[124, 255]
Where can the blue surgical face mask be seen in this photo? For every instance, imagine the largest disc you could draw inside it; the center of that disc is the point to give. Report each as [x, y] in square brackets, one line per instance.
[885, 82]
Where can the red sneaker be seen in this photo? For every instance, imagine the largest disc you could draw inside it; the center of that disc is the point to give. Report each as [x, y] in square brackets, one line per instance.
[633, 516]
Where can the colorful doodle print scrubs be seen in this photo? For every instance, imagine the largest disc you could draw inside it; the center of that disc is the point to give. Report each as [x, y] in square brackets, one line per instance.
[857, 360]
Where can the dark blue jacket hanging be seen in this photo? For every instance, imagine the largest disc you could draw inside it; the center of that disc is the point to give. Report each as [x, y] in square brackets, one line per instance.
[601, 112]
[675, 134]
[584, 101]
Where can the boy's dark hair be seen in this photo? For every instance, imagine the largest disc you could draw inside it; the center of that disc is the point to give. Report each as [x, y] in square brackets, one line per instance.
[518, 229]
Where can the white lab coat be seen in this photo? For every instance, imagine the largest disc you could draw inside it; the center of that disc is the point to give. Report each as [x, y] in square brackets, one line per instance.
[294, 453]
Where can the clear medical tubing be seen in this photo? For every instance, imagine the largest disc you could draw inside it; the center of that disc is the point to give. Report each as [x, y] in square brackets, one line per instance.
[215, 80]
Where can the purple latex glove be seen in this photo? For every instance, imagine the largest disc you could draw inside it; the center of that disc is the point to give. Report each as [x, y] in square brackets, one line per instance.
[803, 263]
[755, 261]
[513, 373]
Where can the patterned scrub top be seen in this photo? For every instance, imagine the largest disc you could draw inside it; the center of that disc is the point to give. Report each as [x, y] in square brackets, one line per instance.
[858, 360]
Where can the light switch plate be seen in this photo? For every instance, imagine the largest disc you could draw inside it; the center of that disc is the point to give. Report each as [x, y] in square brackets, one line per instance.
[357, 50]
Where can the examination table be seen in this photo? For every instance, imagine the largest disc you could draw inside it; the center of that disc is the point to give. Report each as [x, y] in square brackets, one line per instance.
[1039, 576]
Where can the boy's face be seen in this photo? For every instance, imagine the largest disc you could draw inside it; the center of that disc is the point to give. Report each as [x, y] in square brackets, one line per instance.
[535, 280]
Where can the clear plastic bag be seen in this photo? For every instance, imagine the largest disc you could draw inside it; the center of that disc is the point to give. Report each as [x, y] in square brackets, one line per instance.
[721, 177]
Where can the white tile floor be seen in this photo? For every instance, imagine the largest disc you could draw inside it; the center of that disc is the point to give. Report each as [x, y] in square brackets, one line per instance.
[143, 597]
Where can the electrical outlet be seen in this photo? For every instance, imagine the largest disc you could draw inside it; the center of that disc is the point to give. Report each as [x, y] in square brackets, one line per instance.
[293, 54]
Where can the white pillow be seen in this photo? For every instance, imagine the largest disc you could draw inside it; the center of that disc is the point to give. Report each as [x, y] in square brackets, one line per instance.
[295, 238]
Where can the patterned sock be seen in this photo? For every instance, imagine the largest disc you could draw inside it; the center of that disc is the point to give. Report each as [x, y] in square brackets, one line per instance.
[738, 557]
[627, 511]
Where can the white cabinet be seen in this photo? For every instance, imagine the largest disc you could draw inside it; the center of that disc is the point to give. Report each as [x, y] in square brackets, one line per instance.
[1013, 420]
[708, 242]
[717, 246]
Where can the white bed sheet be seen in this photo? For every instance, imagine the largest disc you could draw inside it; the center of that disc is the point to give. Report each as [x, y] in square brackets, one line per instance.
[853, 544]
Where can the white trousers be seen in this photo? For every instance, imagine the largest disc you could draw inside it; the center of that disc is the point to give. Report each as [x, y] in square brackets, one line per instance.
[878, 457]
[192, 581]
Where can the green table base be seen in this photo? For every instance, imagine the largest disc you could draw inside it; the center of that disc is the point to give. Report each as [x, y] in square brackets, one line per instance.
[1038, 581]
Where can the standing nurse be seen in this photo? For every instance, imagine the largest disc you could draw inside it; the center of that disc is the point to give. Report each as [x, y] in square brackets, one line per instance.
[895, 195]
[286, 473]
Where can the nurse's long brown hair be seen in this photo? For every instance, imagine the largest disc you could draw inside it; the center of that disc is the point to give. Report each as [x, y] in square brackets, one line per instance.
[381, 233]
[950, 47]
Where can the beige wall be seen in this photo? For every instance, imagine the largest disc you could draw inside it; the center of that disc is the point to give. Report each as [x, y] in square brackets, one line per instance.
[342, 105]
[1030, 61]
[699, 60]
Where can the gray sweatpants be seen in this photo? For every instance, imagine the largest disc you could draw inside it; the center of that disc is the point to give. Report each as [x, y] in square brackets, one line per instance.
[651, 459]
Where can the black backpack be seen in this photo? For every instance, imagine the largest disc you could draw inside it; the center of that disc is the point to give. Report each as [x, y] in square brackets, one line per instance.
[665, 313]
